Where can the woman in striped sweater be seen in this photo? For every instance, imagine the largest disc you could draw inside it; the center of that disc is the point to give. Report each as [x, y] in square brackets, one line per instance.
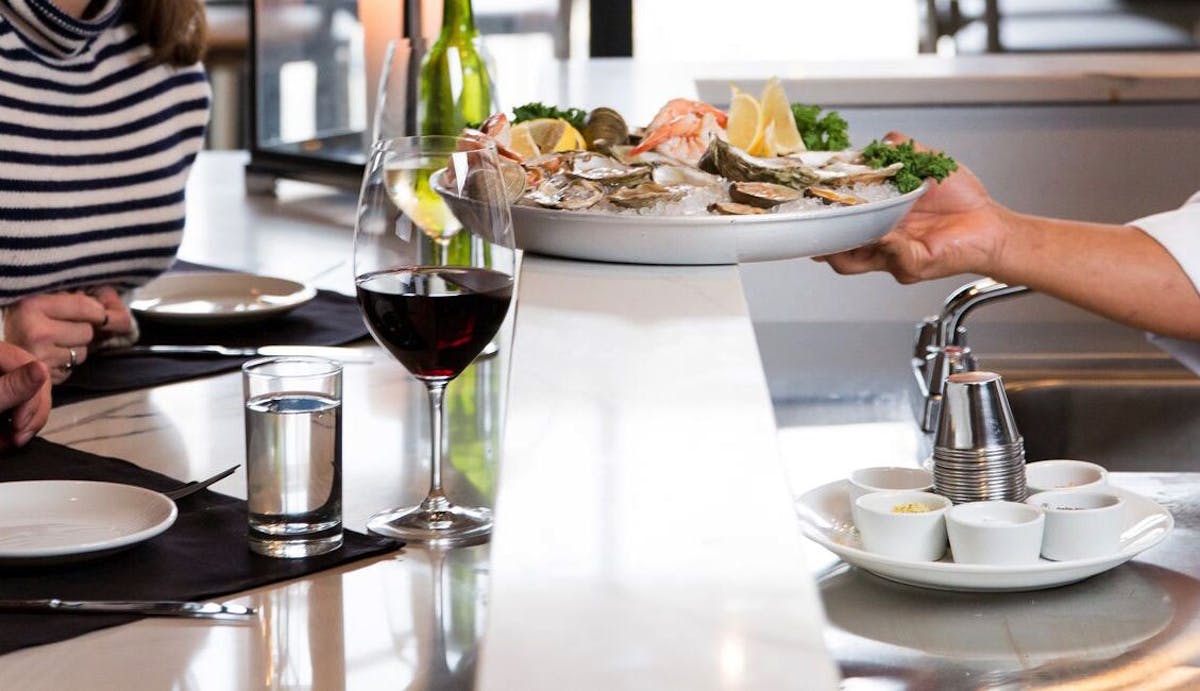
[103, 107]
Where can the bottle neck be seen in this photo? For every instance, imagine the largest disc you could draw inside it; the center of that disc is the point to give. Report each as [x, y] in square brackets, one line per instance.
[458, 17]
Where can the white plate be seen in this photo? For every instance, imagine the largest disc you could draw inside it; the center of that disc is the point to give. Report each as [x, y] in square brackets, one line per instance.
[707, 239]
[50, 521]
[217, 297]
[825, 518]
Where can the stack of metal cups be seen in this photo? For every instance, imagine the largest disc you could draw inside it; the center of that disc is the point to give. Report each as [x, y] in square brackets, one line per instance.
[978, 454]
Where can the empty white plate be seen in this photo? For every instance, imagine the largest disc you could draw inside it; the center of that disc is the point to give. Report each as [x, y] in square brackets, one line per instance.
[206, 298]
[50, 521]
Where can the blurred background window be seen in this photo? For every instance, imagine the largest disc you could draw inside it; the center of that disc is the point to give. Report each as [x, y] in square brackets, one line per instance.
[306, 66]
[1053, 26]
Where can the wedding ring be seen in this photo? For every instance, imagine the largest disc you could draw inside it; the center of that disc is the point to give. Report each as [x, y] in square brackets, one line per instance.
[72, 362]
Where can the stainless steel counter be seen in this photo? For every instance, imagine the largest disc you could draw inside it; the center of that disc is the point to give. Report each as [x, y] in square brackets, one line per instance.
[841, 402]
[1125, 628]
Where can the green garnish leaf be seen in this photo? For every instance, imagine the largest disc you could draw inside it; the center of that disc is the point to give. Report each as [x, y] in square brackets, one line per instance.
[918, 165]
[827, 133]
[537, 109]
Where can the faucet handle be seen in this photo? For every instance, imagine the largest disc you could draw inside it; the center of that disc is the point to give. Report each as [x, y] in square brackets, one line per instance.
[946, 361]
[942, 363]
[927, 336]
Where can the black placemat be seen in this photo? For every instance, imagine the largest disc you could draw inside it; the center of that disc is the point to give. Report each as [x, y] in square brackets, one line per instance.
[202, 556]
[329, 319]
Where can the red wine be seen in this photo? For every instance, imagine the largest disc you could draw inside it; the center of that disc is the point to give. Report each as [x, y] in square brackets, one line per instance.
[434, 320]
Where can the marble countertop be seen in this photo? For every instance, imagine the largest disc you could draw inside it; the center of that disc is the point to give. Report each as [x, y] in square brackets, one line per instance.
[644, 531]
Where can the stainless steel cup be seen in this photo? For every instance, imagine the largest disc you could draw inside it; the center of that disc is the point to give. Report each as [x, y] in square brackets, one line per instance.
[978, 452]
[975, 414]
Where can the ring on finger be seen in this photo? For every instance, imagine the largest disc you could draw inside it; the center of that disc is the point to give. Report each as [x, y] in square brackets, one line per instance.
[72, 361]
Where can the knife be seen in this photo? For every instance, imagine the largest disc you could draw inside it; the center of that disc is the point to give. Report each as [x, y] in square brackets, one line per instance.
[153, 608]
[344, 355]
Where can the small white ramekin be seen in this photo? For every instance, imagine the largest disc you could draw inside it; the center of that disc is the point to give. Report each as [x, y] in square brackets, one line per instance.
[1064, 474]
[913, 536]
[995, 532]
[1080, 524]
[889, 479]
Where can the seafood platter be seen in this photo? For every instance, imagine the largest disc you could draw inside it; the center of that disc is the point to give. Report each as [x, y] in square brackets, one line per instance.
[764, 180]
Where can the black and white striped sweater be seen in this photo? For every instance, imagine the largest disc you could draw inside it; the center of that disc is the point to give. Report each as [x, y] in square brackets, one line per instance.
[95, 147]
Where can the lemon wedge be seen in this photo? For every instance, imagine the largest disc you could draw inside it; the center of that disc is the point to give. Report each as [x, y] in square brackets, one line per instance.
[522, 142]
[743, 128]
[765, 146]
[776, 111]
[547, 135]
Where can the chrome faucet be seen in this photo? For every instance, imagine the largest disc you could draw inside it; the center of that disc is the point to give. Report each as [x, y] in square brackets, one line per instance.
[941, 344]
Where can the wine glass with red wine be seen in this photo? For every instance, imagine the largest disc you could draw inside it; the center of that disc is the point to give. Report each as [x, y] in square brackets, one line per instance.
[431, 302]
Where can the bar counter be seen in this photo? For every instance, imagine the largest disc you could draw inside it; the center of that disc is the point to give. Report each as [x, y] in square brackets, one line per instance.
[644, 532]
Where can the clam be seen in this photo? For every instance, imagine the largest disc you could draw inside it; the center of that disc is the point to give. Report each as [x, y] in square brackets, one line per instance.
[643, 195]
[724, 159]
[762, 194]
[561, 193]
[605, 125]
[515, 179]
[606, 170]
[735, 209]
[830, 195]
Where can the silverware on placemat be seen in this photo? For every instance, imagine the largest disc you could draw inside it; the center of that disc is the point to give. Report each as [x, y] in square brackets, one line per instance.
[340, 354]
[152, 608]
[195, 486]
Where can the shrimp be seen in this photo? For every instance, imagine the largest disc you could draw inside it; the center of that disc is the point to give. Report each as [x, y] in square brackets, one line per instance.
[681, 129]
[495, 130]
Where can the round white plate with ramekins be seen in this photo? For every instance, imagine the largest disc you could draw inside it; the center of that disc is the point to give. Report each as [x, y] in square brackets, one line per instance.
[825, 518]
[45, 522]
[217, 298]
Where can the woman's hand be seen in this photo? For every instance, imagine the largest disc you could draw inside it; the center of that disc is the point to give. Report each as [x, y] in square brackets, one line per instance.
[956, 227]
[56, 328]
[118, 321]
[24, 396]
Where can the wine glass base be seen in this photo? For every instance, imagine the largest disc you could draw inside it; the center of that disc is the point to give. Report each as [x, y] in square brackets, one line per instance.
[454, 526]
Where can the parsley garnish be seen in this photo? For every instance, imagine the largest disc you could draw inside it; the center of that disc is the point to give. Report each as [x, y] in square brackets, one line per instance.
[828, 133]
[918, 165]
[535, 110]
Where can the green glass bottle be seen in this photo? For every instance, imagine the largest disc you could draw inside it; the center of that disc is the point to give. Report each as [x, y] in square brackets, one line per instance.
[455, 87]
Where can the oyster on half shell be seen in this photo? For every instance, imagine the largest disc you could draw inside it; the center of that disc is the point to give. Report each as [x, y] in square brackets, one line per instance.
[841, 173]
[560, 192]
[605, 170]
[723, 159]
[735, 209]
[762, 194]
[832, 195]
[643, 195]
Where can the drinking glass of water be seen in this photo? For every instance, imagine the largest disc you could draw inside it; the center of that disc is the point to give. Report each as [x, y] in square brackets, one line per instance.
[293, 455]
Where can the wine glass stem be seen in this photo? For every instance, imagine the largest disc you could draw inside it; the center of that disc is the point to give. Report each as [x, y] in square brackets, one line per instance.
[435, 500]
